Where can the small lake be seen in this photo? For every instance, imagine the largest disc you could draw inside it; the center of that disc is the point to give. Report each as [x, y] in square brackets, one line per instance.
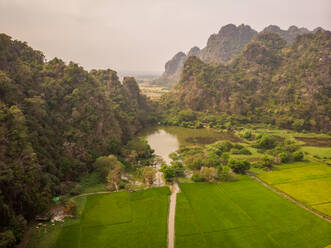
[165, 140]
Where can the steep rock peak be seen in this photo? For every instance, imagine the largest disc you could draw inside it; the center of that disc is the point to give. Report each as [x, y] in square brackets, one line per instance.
[272, 28]
[227, 29]
[293, 28]
[173, 65]
[318, 29]
[194, 51]
[179, 55]
[130, 85]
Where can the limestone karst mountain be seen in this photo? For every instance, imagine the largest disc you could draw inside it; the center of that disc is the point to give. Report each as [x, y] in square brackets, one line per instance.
[270, 82]
[222, 47]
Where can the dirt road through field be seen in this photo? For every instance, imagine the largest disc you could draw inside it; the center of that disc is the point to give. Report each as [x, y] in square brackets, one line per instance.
[171, 219]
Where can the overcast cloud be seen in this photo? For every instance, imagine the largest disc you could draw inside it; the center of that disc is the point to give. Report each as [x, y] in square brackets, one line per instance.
[141, 35]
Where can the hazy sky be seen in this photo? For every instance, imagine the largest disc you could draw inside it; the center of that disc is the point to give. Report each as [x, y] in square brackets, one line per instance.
[141, 35]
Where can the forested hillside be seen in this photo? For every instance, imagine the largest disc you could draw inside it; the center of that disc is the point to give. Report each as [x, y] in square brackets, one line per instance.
[55, 120]
[222, 47]
[269, 82]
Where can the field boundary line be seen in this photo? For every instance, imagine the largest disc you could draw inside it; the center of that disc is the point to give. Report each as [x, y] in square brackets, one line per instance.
[321, 203]
[290, 198]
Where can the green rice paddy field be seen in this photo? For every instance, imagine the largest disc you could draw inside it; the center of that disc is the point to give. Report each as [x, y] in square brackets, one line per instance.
[122, 219]
[246, 214]
[308, 182]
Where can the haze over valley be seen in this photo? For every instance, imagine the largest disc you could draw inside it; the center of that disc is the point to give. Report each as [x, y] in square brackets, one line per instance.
[165, 124]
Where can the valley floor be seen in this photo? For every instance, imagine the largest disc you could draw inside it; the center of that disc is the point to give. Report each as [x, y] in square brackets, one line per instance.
[246, 214]
[307, 182]
[242, 213]
[121, 219]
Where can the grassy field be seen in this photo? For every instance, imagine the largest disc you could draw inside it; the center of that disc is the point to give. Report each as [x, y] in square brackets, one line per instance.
[122, 219]
[152, 91]
[246, 214]
[308, 182]
[321, 153]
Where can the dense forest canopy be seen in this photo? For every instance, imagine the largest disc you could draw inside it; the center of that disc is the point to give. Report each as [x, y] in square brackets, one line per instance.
[55, 120]
[59, 121]
[222, 47]
[269, 82]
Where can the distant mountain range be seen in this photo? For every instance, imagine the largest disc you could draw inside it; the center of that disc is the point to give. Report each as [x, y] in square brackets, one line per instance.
[222, 47]
[271, 81]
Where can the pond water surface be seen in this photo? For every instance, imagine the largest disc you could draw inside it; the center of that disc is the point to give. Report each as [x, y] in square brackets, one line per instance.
[165, 140]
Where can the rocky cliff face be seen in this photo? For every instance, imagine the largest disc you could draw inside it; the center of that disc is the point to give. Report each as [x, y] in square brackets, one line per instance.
[173, 68]
[288, 35]
[194, 51]
[229, 41]
[222, 47]
[270, 82]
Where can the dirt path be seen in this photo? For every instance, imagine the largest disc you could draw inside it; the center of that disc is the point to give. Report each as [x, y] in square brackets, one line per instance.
[313, 211]
[26, 237]
[171, 219]
[158, 182]
[93, 193]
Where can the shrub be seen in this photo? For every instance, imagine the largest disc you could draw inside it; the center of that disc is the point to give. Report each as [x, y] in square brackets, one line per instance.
[168, 172]
[208, 174]
[247, 134]
[298, 124]
[239, 166]
[225, 158]
[298, 156]
[194, 162]
[211, 159]
[238, 146]
[186, 115]
[234, 151]
[256, 165]
[76, 190]
[284, 157]
[221, 146]
[223, 172]
[266, 142]
[258, 136]
[179, 168]
[245, 151]
[196, 177]
[148, 174]
[266, 162]
[7, 239]
[122, 184]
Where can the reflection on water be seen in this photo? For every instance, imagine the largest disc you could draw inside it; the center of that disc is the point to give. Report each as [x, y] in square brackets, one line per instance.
[163, 143]
[165, 140]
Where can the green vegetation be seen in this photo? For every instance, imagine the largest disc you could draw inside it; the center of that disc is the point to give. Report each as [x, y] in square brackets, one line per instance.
[55, 120]
[322, 153]
[176, 169]
[267, 83]
[121, 219]
[65, 131]
[244, 213]
[308, 182]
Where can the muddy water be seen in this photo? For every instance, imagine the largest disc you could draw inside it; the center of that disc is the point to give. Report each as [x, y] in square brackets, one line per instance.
[165, 140]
